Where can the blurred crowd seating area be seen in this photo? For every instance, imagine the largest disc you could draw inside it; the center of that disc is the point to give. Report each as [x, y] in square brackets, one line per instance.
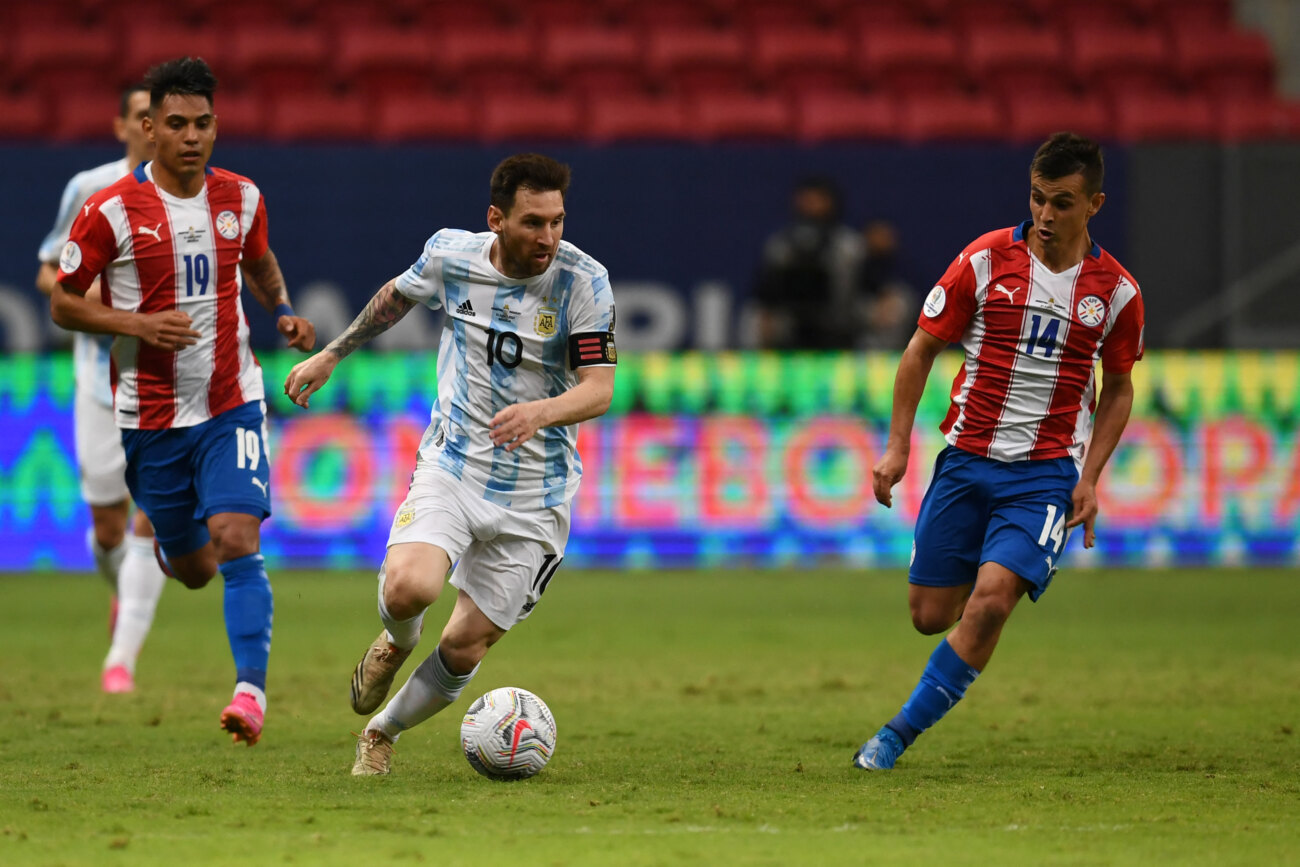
[657, 70]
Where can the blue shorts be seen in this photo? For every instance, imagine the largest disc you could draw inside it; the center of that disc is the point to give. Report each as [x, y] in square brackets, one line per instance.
[182, 476]
[978, 510]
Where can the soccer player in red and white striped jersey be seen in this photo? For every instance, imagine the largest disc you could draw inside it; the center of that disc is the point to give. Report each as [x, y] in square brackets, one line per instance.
[174, 243]
[1033, 307]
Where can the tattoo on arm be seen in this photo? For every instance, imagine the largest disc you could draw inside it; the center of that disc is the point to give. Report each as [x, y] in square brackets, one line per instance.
[380, 314]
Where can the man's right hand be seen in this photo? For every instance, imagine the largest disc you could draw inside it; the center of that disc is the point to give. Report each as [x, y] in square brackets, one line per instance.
[168, 329]
[308, 376]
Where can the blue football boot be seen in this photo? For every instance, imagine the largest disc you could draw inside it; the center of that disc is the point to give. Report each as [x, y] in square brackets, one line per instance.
[880, 753]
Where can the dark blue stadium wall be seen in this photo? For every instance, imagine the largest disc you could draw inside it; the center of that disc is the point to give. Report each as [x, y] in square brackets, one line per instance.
[682, 216]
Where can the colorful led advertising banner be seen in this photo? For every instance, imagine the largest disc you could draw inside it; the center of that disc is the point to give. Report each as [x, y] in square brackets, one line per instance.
[721, 460]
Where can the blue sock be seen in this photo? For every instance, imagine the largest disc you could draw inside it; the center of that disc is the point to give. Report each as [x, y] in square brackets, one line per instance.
[942, 685]
[248, 609]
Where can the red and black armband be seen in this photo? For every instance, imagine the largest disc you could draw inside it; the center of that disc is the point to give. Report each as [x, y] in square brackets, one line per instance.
[592, 347]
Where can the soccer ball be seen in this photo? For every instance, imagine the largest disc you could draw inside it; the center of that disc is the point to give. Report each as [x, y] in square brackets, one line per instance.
[508, 734]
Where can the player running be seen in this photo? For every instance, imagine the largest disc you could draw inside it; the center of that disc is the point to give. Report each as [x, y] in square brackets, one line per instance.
[527, 352]
[1034, 307]
[171, 243]
[126, 562]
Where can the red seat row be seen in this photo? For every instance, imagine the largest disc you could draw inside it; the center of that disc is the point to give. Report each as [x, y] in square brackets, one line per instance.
[682, 59]
[437, 14]
[816, 116]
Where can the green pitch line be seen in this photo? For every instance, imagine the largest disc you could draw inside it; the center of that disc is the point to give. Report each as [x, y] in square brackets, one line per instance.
[1127, 718]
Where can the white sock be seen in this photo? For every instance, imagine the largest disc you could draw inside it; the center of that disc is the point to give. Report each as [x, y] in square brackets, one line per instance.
[430, 688]
[139, 584]
[255, 691]
[401, 633]
[107, 560]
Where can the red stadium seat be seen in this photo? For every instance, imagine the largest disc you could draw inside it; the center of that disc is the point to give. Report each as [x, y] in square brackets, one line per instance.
[1123, 60]
[281, 59]
[1072, 15]
[969, 14]
[669, 13]
[147, 44]
[64, 59]
[225, 16]
[1225, 63]
[515, 115]
[912, 60]
[24, 117]
[950, 118]
[427, 117]
[716, 116]
[689, 59]
[1162, 117]
[378, 60]
[1018, 57]
[240, 115]
[803, 58]
[624, 117]
[487, 59]
[892, 14]
[771, 14]
[1261, 119]
[1179, 15]
[592, 59]
[830, 116]
[85, 115]
[435, 16]
[558, 13]
[317, 117]
[1032, 117]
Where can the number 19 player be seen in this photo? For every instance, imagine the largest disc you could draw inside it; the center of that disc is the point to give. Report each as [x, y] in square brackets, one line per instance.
[1033, 307]
[527, 352]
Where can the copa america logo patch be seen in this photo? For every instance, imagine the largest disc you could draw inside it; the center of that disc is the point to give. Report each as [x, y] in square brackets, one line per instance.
[935, 302]
[1091, 311]
[228, 225]
[70, 259]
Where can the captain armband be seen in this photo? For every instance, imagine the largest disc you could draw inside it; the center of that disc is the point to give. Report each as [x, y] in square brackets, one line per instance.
[592, 347]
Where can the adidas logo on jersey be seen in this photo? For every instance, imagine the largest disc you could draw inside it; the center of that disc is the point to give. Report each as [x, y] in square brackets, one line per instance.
[465, 308]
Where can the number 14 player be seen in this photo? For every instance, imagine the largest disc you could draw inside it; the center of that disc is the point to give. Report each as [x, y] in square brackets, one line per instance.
[1033, 307]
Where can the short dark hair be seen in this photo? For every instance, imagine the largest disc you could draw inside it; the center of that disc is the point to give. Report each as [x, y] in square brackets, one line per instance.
[1065, 154]
[535, 172]
[186, 76]
[127, 93]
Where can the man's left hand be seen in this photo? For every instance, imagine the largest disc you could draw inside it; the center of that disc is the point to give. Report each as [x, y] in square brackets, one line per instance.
[1085, 511]
[300, 332]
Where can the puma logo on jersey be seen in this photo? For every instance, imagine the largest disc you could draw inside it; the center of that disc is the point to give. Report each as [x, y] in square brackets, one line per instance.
[145, 230]
[1010, 293]
[261, 484]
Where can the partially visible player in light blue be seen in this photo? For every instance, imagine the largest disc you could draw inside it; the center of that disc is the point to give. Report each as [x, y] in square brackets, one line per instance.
[126, 562]
[527, 352]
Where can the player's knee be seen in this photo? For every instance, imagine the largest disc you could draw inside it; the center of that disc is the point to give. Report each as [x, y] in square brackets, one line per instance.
[988, 614]
[931, 621]
[932, 615]
[234, 539]
[407, 591]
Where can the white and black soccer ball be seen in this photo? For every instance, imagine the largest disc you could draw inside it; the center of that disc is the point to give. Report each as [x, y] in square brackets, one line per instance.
[508, 734]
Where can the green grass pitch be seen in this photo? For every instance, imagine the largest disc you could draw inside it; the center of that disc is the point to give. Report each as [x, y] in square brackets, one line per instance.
[704, 718]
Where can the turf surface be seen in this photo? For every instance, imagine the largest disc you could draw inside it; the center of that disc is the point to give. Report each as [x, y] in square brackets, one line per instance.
[1127, 718]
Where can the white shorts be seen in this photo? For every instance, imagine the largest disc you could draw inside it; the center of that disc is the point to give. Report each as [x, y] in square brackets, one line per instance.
[100, 458]
[503, 559]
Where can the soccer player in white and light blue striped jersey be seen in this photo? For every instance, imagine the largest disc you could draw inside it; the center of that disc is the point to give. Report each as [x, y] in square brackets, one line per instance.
[125, 560]
[527, 352]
